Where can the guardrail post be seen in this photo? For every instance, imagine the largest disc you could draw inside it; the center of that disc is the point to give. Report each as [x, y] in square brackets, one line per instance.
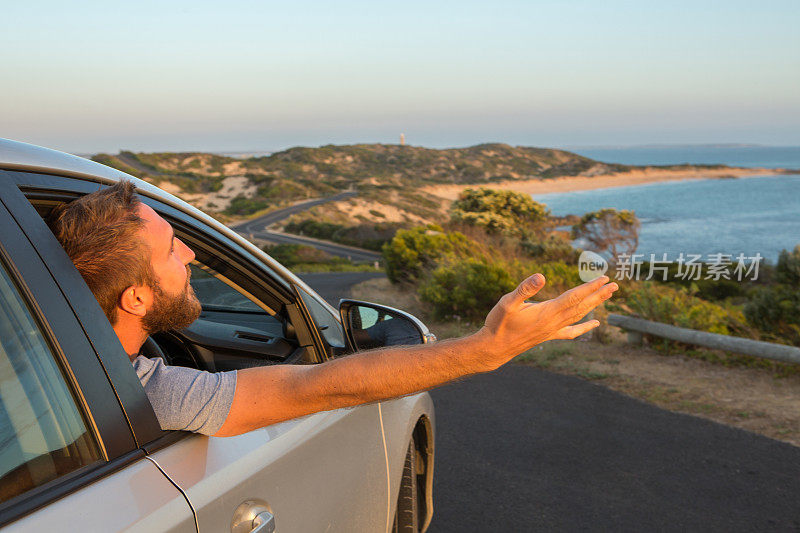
[589, 334]
[635, 337]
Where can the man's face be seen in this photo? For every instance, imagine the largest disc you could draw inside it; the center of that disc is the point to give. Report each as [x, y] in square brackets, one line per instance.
[175, 304]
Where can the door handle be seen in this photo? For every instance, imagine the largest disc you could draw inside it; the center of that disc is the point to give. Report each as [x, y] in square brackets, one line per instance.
[264, 522]
[253, 516]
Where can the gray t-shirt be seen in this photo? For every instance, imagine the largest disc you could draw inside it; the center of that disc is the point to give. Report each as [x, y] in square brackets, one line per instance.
[185, 398]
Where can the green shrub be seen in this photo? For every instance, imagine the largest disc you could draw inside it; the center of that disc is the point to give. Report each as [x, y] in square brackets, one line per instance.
[775, 310]
[558, 276]
[290, 255]
[609, 230]
[498, 210]
[678, 307]
[302, 258]
[242, 206]
[285, 190]
[788, 268]
[492, 222]
[312, 228]
[468, 288]
[413, 251]
[369, 235]
[549, 248]
[339, 265]
[718, 290]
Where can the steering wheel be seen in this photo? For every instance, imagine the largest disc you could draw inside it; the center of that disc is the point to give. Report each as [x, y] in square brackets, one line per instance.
[152, 350]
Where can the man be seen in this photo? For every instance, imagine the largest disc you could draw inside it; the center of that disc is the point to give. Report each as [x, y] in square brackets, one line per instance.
[138, 271]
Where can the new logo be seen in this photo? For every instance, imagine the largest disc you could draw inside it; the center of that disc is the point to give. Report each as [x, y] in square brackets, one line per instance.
[591, 266]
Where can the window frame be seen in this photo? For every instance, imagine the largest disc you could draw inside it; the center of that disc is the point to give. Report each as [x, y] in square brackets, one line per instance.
[239, 266]
[74, 353]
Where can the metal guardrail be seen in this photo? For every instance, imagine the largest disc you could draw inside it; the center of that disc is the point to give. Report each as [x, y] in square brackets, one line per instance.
[637, 326]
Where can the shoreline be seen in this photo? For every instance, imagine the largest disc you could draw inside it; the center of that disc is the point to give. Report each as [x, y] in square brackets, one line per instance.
[631, 178]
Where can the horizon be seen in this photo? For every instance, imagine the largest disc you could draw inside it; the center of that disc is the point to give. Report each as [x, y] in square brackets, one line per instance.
[267, 151]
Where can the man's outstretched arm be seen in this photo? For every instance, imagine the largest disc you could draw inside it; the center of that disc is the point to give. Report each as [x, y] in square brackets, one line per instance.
[271, 394]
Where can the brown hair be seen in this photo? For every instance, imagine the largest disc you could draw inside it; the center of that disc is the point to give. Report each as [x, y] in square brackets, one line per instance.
[100, 233]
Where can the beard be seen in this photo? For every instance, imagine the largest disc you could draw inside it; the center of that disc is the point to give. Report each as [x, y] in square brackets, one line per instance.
[172, 312]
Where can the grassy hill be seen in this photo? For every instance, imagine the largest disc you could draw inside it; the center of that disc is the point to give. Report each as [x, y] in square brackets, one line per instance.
[372, 169]
[388, 179]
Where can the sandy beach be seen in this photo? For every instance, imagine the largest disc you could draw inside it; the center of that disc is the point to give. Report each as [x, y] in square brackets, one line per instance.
[622, 179]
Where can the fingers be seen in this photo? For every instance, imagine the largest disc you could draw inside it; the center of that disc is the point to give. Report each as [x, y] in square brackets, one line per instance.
[577, 294]
[528, 288]
[596, 298]
[570, 332]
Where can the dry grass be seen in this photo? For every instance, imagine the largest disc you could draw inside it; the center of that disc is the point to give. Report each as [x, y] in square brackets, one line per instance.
[753, 399]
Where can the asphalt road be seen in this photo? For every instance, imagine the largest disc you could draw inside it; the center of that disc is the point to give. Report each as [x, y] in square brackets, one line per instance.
[261, 223]
[358, 255]
[522, 449]
[333, 286]
[257, 228]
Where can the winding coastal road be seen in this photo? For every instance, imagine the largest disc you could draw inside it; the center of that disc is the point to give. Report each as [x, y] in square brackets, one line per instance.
[259, 228]
[261, 223]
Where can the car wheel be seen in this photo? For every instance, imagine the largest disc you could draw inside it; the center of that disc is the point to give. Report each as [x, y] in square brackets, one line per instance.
[406, 517]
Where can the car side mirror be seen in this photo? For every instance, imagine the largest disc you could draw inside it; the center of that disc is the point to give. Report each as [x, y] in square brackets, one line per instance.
[368, 326]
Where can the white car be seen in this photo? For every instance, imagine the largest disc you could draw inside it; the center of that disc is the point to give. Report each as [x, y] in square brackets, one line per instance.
[81, 448]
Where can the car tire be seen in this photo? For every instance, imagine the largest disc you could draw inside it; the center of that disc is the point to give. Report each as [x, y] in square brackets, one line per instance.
[406, 517]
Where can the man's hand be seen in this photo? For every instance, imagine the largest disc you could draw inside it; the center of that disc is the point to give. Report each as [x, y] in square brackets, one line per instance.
[514, 325]
[270, 394]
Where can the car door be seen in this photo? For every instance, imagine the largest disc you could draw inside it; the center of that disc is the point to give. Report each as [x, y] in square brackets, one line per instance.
[323, 472]
[326, 471]
[66, 443]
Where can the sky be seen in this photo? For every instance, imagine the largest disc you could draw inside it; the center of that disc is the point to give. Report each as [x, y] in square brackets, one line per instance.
[91, 76]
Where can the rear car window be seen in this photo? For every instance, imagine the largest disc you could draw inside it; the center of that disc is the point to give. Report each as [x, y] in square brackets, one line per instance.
[42, 433]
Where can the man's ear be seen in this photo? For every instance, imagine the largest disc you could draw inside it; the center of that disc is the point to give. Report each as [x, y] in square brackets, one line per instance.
[136, 300]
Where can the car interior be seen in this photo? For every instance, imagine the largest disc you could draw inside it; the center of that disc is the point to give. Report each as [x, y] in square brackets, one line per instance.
[244, 322]
[235, 330]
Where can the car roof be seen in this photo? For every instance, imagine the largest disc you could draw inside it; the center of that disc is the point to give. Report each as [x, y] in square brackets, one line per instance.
[16, 155]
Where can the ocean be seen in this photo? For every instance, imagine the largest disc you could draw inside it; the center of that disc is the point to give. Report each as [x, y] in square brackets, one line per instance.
[735, 156]
[752, 215]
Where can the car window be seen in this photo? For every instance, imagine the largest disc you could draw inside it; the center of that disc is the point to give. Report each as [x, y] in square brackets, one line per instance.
[42, 432]
[218, 293]
[239, 326]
